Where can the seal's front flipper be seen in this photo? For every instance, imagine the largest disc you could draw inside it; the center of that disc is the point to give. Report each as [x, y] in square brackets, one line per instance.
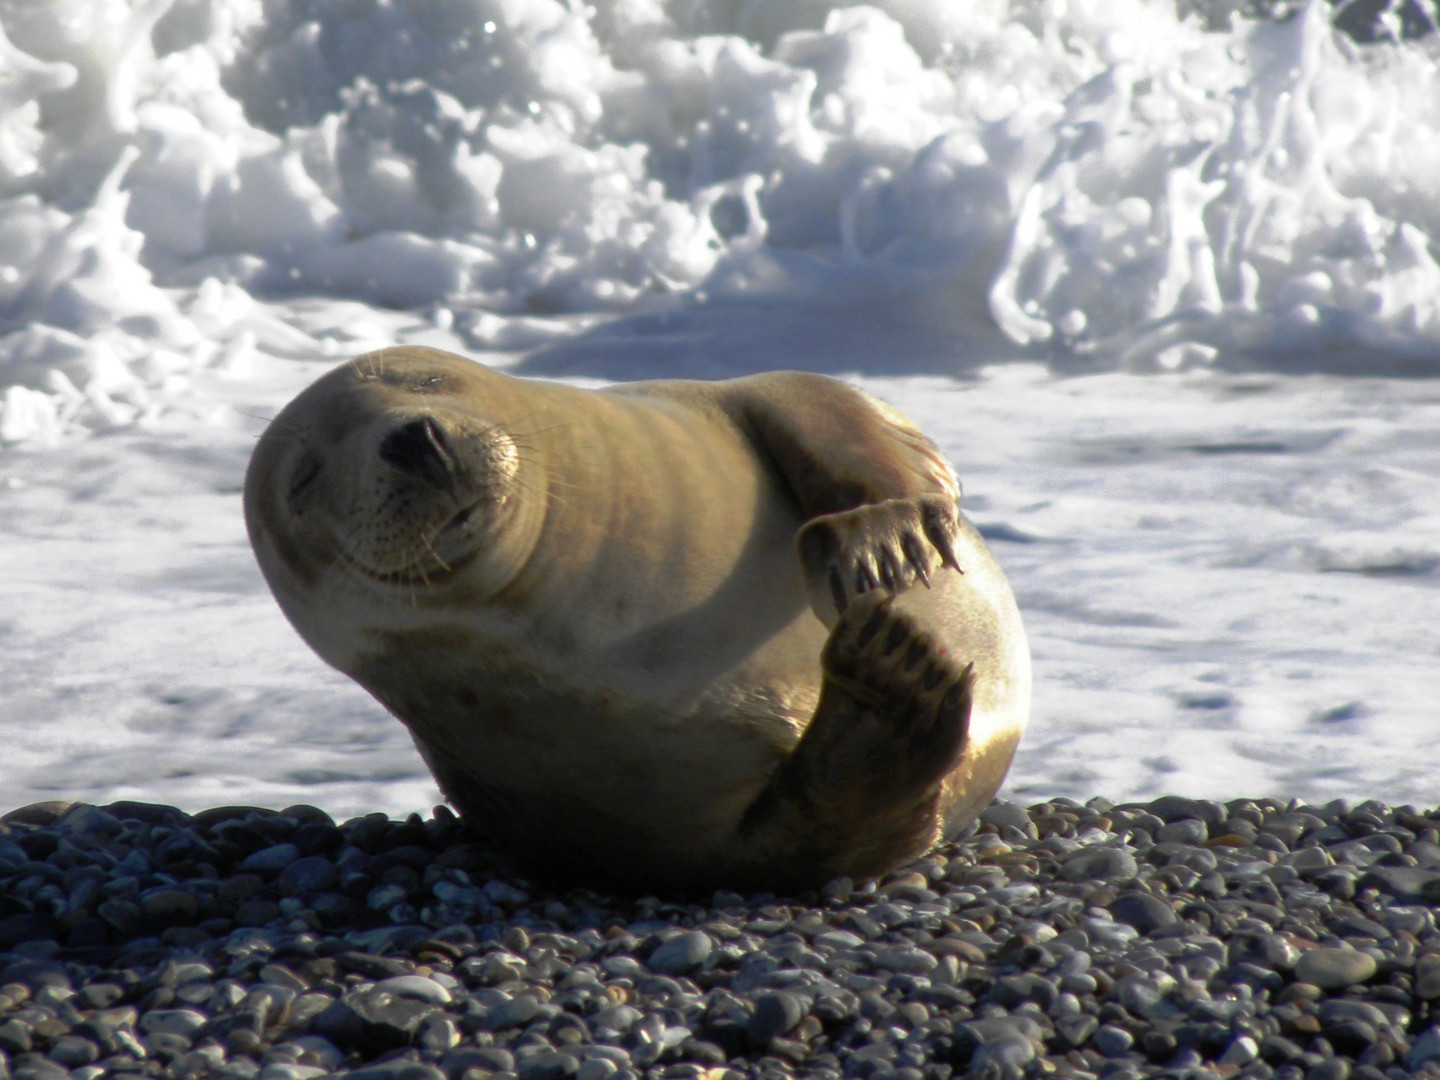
[860, 792]
[887, 545]
[835, 447]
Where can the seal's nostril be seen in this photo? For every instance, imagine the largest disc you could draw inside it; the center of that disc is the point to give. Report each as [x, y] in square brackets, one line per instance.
[422, 449]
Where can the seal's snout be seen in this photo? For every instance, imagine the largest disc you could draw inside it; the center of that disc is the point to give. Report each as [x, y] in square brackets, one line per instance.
[422, 449]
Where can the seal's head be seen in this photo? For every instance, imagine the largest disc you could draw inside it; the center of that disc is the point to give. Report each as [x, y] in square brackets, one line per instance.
[387, 487]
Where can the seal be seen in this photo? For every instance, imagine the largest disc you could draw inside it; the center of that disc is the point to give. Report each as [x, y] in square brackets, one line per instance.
[667, 635]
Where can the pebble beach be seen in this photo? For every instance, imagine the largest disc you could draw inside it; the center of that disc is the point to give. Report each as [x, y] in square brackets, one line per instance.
[1176, 938]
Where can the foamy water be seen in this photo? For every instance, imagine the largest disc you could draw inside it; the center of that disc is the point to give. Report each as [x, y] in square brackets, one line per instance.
[1150, 285]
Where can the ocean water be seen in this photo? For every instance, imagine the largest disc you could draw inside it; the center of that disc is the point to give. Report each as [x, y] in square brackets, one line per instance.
[1161, 282]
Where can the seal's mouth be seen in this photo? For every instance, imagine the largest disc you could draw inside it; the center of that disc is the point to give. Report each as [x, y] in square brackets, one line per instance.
[425, 572]
[432, 560]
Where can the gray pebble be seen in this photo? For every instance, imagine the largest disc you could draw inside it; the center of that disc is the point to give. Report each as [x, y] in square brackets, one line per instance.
[549, 1065]
[625, 966]
[1099, 863]
[1406, 883]
[595, 1069]
[1077, 1029]
[1338, 1009]
[516, 1012]
[682, 953]
[838, 939]
[1183, 831]
[1241, 1051]
[374, 1020]
[1425, 1048]
[39, 1068]
[1334, 969]
[1007, 1054]
[620, 1018]
[910, 961]
[1144, 912]
[1329, 1069]
[72, 1051]
[415, 986]
[170, 906]
[312, 874]
[1112, 1041]
[485, 1058]
[184, 1022]
[396, 1070]
[1006, 814]
[775, 1014]
[1174, 807]
[271, 860]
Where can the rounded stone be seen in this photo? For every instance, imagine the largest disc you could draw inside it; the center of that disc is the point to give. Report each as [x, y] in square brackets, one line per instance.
[517, 1012]
[415, 986]
[775, 1014]
[486, 1059]
[595, 1069]
[625, 967]
[1183, 831]
[1427, 976]
[1329, 1069]
[1241, 1051]
[1426, 1047]
[1099, 863]
[312, 874]
[1144, 912]
[1333, 968]
[35, 975]
[1170, 808]
[908, 961]
[277, 1070]
[184, 1022]
[549, 1065]
[1001, 813]
[1076, 1029]
[837, 939]
[618, 1018]
[396, 1070]
[681, 954]
[271, 860]
[72, 1051]
[1112, 1041]
[171, 906]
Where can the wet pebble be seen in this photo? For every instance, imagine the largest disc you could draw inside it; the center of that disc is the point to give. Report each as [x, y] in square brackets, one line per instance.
[681, 954]
[1334, 969]
[1142, 911]
[1099, 863]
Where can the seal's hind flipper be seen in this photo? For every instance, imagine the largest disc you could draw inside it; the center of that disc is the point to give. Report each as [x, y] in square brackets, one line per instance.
[860, 792]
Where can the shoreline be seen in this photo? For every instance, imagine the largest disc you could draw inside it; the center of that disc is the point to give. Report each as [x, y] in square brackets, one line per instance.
[1178, 937]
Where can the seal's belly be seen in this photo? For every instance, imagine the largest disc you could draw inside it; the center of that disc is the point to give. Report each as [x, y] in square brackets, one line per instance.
[528, 724]
[655, 673]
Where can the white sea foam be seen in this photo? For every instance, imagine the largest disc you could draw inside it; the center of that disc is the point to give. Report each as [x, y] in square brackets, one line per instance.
[1101, 182]
[203, 202]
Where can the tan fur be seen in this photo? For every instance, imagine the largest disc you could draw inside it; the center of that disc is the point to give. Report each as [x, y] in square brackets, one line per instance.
[589, 609]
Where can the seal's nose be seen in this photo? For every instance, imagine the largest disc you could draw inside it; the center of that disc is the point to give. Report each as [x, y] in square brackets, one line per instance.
[422, 449]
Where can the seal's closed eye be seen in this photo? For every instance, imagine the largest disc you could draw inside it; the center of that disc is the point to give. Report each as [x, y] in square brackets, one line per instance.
[304, 475]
